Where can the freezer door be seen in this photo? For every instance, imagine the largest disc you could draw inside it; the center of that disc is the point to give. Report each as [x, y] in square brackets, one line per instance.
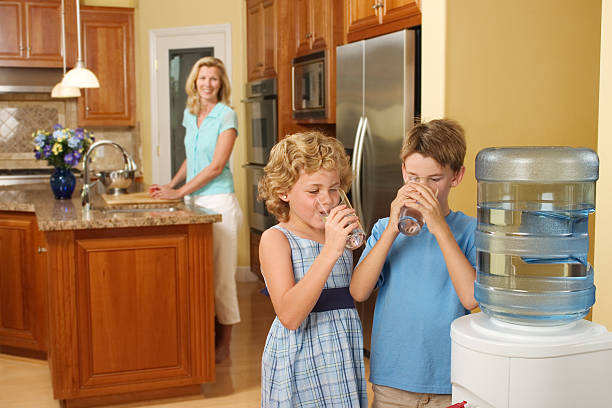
[349, 92]
[389, 110]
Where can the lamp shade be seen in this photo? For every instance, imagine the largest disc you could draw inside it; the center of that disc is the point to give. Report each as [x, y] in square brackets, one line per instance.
[62, 91]
[80, 77]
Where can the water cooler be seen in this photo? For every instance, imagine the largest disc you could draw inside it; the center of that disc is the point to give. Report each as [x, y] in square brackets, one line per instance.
[531, 347]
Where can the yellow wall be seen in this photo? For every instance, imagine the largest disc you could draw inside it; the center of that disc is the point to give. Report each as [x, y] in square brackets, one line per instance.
[516, 73]
[154, 14]
[602, 312]
[521, 73]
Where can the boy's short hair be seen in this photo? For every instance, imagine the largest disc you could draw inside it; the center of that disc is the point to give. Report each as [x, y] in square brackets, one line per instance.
[441, 139]
[308, 151]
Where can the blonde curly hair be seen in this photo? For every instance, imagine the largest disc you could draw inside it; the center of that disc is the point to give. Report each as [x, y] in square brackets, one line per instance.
[308, 151]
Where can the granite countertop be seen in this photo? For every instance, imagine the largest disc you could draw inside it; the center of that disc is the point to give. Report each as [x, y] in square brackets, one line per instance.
[58, 215]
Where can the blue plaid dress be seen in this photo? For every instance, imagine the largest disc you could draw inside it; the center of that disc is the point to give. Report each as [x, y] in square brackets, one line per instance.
[320, 364]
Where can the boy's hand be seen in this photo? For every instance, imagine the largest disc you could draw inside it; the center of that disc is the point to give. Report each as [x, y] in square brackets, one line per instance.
[425, 200]
[402, 198]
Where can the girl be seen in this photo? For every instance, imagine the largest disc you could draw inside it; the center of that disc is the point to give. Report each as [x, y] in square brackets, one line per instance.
[313, 354]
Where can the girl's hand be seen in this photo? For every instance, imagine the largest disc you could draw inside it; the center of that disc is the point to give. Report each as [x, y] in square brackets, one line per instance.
[339, 224]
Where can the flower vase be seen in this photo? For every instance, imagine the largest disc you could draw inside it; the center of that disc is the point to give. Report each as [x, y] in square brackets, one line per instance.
[62, 183]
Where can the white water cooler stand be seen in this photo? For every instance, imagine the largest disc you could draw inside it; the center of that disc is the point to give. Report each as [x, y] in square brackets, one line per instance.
[495, 364]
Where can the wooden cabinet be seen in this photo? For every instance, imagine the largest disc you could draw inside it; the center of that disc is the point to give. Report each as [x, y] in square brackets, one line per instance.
[370, 18]
[23, 283]
[261, 39]
[108, 50]
[131, 312]
[318, 25]
[31, 33]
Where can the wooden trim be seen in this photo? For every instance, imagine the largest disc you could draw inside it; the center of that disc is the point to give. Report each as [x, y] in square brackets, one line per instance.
[131, 397]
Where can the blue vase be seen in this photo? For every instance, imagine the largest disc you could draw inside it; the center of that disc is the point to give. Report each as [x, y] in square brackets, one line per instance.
[62, 183]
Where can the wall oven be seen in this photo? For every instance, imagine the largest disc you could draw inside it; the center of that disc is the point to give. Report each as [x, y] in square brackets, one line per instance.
[261, 133]
[261, 119]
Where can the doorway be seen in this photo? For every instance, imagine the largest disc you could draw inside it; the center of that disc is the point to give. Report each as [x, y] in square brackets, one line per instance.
[181, 61]
[173, 52]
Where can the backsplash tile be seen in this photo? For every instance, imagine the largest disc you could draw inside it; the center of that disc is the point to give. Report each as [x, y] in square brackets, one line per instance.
[23, 114]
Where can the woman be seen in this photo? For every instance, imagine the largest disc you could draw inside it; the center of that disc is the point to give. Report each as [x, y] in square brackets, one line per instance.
[211, 130]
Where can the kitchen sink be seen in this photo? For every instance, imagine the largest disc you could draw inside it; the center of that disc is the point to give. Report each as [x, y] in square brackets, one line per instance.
[139, 210]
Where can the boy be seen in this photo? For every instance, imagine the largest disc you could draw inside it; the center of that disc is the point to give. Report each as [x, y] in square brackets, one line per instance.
[425, 281]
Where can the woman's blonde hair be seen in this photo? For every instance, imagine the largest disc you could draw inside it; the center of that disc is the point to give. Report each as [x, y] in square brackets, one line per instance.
[308, 151]
[193, 97]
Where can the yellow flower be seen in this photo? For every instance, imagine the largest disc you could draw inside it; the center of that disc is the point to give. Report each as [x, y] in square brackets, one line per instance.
[57, 148]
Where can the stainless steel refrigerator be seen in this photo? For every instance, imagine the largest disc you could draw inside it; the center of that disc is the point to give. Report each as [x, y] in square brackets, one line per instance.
[377, 100]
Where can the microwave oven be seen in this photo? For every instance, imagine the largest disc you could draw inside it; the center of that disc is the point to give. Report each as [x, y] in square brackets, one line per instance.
[308, 86]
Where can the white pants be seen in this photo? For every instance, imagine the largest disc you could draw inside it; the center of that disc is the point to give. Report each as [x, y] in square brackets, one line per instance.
[225, 249]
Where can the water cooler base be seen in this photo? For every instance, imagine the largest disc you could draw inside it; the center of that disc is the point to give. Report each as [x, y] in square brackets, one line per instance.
[502, 365]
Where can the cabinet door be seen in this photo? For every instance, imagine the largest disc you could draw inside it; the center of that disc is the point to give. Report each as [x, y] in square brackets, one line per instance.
[261, 39]
[44, 38]
[255, 40]
[11, 39]
[108, 38]
[303, 29]
[269, 48]
[371, 18]
[23, 284]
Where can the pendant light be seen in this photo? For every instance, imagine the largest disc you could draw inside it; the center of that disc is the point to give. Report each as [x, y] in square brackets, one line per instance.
[79, 76]
[60, 90]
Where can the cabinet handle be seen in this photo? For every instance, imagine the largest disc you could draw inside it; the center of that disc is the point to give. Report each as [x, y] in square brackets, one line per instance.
[377, 5]
[41, 250]
[309, 35]
[87, 108]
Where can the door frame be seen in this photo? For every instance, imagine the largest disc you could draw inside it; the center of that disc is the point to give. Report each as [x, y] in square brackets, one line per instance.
[161, 40]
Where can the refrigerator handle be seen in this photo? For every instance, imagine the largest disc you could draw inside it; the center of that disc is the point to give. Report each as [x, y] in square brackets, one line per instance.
[357, 160]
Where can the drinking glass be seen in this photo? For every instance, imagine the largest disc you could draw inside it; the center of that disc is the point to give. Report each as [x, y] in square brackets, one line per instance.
[357, 237]
[410, 221]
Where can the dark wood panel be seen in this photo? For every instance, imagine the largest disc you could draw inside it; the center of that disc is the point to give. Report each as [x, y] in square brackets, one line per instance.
[132, 311]
[23, 315]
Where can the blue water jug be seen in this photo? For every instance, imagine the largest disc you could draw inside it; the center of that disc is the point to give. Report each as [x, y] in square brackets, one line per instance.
[532, 238]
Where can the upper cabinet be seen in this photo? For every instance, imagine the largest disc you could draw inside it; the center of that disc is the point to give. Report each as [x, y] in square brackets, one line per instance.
[318, 25]
[31, 33]
[370, 18]
[261, 38]
[108, 50]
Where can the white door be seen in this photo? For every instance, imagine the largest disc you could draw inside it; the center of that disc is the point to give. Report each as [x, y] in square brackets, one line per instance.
[163, 43]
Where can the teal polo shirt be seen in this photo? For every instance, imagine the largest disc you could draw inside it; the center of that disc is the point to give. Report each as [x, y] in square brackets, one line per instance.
[200, 146]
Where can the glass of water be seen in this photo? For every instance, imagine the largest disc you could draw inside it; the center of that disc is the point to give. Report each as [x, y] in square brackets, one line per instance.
[410, 221]
[357, 237]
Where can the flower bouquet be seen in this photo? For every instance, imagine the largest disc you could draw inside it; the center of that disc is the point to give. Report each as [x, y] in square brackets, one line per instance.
[63, 148]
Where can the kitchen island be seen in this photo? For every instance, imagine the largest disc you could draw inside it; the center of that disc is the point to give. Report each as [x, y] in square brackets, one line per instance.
[130, 294]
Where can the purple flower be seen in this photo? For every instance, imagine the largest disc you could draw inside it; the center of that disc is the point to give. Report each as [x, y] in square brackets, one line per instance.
[74, 142]
[37, 154]
[57, 126]
[46, 151]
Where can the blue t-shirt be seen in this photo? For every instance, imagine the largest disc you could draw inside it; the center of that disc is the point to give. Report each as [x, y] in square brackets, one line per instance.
[200, 146]
[416, 304]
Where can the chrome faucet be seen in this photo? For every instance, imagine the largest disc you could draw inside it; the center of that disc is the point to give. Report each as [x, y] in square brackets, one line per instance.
[129, 165]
